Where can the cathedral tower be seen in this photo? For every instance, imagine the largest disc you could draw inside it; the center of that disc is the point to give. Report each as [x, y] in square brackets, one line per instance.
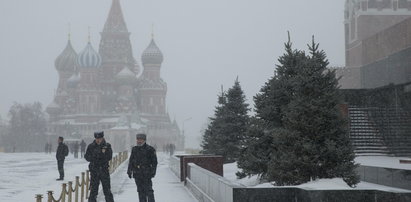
[151, 87]
[116, 51]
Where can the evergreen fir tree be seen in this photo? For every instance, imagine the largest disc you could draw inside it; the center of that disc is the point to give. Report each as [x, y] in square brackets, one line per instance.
[211, 143]
[276, 93]
[298, 130]
[314, 114]
[269, 105]
[236, 122]
[291, 161]
[225, 133]
[256, 150]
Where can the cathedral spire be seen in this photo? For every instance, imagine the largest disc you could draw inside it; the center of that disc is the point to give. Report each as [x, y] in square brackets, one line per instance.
[115, 21]
[89, 36]
[69, 31]
[152, 31]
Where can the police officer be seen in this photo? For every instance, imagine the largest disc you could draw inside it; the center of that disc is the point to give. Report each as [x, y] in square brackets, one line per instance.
[142, 166]
[99, 153]
[61, 153]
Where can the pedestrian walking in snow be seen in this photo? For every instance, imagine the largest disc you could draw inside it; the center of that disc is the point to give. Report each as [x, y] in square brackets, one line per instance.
[142, 167]
[75, 147]
[61, 153]
[99, 153]
[46, 148]
[82, 148]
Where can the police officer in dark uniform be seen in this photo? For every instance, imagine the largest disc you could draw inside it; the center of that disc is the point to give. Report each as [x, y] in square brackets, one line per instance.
[99, 153]
[142, 166]
[61, 153]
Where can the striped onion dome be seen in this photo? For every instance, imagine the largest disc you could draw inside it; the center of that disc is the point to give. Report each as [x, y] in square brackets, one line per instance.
[152, 54]
[126, 75]
[66, 61]
[73, 80]
[89, 58]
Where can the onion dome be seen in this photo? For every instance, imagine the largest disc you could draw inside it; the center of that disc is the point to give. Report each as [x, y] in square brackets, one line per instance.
[53, 108]
[66, 61]
[152, 54]
[89, 58]
[126, 75]
[73, 80]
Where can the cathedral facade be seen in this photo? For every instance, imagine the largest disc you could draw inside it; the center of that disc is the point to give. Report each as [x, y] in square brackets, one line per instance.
[107, 90]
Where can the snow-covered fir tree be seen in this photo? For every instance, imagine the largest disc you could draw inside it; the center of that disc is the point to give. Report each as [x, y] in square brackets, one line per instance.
[210, 142]
[269, 104]
[305, 132]
[315, 114]
[227, 129]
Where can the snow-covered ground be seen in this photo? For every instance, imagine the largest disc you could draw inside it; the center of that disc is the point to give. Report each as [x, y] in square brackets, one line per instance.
[23, 175]
[383, 161]
[322, 184]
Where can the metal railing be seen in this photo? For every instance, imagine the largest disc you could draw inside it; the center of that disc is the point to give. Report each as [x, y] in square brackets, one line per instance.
[81, 187]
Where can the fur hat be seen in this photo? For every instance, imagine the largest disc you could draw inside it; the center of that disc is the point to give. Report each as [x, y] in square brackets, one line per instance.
[141, 136]
[99, 134]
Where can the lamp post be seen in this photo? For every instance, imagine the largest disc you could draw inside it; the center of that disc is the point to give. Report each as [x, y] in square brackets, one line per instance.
[183, 138]
[187, 119]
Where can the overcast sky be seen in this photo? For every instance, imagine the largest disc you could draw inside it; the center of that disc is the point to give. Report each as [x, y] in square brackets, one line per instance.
[205, 43]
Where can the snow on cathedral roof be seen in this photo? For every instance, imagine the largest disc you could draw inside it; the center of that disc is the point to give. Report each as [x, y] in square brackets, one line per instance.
[126, 75]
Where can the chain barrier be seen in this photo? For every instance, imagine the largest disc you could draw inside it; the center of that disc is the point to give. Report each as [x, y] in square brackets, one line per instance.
[81, 187]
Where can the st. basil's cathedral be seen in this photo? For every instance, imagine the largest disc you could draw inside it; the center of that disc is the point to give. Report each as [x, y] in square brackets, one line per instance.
[107, 90]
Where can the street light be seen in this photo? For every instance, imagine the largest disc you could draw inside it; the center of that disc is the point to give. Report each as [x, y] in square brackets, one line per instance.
[183, 138]
[187, 119]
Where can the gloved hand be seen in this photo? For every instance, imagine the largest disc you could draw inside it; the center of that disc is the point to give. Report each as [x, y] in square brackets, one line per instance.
[129, 175]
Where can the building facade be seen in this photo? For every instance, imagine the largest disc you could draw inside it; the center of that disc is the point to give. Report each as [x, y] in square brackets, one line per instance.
[374, 30]
[108, 90]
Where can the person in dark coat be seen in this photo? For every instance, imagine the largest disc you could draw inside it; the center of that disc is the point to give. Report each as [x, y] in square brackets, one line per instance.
[142, 167]
[75, 147]
[99, 153]
[82, 148]
[46, 148]
[61, 153]
[50, 148]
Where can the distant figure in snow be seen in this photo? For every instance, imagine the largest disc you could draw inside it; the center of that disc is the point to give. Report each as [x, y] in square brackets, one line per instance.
[82, 148]
[172, 149]
[50, 148]
[75, 147]
[61, 153]
[46, 148]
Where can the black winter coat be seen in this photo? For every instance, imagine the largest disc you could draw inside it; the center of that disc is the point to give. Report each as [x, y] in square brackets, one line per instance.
[143, 162]
[62, 151]
[97, 158]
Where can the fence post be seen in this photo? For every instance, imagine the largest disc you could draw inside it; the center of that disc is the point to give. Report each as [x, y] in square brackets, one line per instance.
[63, 192]
[87, 182]
[76, 189]
[39, 197]
[67, 188]
[70, 191]
[50, 196]
[82, 187]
